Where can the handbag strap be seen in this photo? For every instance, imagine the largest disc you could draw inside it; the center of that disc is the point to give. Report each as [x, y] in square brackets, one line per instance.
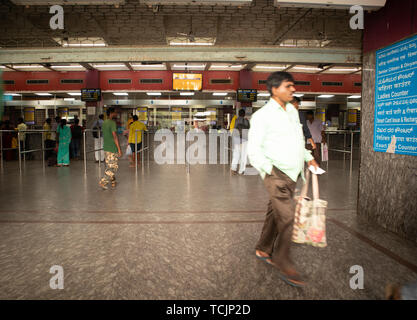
[315, 183]
[304, 189]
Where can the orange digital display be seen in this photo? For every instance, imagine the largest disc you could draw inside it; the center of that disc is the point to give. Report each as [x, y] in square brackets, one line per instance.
[187, 81]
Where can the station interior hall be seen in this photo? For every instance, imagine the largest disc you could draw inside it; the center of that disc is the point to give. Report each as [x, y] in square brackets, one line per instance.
[186, 230]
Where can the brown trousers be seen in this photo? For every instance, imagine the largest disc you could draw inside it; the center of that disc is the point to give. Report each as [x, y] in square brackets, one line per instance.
[278, 226]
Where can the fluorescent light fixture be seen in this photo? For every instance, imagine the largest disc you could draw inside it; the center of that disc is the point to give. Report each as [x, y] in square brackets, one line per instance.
[74, 93]
[354, 97]
[109, 66]
[219, 93]
[84, 45]
[69, 99]
[43, 94]
[67, 67]
[13, 94]
[191, 43]
[186, 93]
[148, 65]
[270, 67]
[326, 96]
[226, 66]
[299, 95]
[26, 67]
[307, 68]
[343, 70]
[2, 67]
[184, 66]
[264, 94]
[120, 93]
[153, 93]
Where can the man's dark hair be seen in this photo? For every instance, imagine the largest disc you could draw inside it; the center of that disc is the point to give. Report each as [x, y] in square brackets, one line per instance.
[101, 116]
[309, 112]
[297, 99]
[20, 120]
[63, 122]
[76, 121]
[48, 120]
[135, 118]
[275, 79]
[242, 113]
[109, 111]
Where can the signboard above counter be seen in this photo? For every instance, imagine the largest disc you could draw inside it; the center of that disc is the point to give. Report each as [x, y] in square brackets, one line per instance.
[395, 125]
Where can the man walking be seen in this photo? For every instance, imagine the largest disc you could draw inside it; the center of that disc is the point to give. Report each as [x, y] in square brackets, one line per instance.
[111, 148]
[276, 148]
[98, 142]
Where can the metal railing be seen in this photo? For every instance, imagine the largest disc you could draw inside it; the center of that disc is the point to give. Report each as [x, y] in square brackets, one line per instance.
[19, 148]
[94, 150]
[144, 137]
[344, 151]
[143, 148]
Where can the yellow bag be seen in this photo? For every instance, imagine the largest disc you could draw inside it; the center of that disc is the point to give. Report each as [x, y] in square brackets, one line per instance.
[14, 143]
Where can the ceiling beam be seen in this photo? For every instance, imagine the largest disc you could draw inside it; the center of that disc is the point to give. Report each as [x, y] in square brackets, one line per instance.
[289, 67]
[47, 66]
[360, 69]
[266, 54]
[325, 68]
[249, 66]
[86, 65]
[11, 68]
[278, 39]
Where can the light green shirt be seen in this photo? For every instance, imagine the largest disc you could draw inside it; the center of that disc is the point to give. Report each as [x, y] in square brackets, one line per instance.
[276, 139]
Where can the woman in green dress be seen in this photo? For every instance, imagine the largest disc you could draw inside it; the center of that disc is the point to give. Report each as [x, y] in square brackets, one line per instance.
[64, 138]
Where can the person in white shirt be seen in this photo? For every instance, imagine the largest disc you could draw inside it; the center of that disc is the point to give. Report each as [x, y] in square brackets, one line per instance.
[22, 127]
[316, 129]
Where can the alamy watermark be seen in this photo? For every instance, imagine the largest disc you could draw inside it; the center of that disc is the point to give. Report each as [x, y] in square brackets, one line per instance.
[57, 281]
[57, 20]
[357, 20]
[357, 281]
[191, 147]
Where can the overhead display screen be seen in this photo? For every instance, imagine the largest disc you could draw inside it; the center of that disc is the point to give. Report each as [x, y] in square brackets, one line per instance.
[395, 124]
[247, 95]
[187, 81]
[90, 95]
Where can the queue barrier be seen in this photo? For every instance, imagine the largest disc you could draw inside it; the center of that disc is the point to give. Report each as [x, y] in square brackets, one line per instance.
[23, 152]
[101, 147]
[344, 150]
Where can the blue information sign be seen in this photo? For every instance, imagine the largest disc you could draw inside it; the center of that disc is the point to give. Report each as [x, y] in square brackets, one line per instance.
[395, 126]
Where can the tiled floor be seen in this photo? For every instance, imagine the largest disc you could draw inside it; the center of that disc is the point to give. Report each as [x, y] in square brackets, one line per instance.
[163, 234]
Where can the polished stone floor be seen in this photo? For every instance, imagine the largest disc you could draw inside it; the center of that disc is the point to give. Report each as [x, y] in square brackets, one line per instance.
[163, 234]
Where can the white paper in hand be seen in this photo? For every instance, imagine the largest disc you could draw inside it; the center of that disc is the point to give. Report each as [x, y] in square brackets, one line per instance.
[318, 171]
